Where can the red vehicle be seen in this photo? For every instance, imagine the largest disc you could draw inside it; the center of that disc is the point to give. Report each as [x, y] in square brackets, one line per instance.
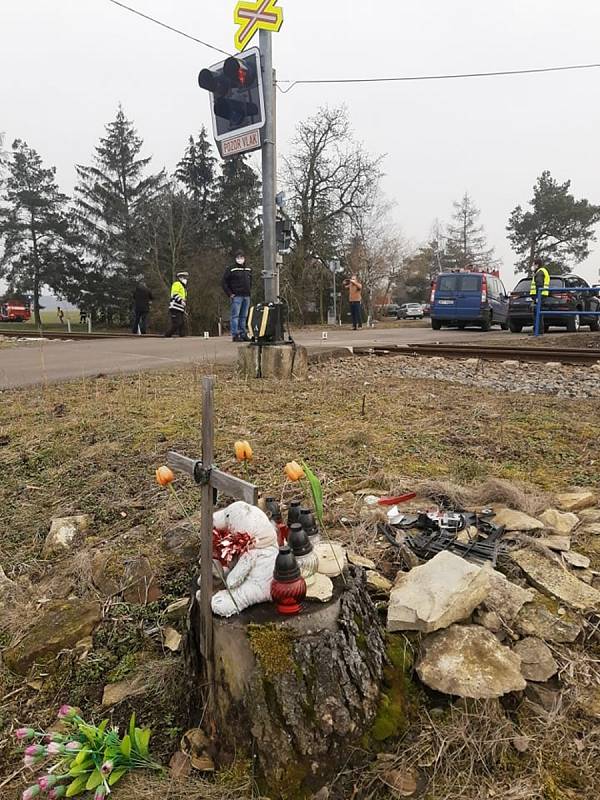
[15, 311]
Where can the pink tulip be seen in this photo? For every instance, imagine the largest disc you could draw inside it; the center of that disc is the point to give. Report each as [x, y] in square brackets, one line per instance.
[24, 733]
[35, 750]
[55, 748]
[107, 767]
[53, 737]
[31, 761]
[100, 793]
[31, 792]
[46, 782]
[67, 712]
[73, 747]
[58, 791]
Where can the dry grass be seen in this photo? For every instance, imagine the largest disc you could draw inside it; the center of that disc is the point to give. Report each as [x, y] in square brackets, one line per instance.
[492, 492]
[99, 454]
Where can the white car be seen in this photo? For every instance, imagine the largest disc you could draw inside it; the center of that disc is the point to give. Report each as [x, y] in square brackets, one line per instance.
[410, 311]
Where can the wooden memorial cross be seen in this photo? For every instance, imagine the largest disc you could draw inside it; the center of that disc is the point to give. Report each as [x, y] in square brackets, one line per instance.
[210, 478]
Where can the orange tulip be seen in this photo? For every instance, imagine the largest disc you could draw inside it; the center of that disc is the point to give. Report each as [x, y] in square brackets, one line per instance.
[294, 471]
[164, 476]
[243, 451]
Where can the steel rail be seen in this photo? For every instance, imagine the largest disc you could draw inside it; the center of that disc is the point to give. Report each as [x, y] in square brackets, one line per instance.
[75, 335]
[563, 355]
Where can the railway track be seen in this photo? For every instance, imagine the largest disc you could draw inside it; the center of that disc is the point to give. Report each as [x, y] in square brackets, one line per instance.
[561, 355]
[78, 335]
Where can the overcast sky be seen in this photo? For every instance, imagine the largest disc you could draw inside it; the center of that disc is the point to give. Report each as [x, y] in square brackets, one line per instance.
[66, 64]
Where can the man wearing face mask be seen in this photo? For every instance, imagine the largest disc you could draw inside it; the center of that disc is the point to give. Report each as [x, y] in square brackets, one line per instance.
[237, 284]
[177, 305]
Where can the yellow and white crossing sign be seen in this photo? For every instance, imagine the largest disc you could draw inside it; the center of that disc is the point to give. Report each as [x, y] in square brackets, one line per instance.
[252, 15]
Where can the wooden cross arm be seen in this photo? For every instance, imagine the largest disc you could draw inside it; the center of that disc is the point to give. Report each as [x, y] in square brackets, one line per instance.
[221, 481]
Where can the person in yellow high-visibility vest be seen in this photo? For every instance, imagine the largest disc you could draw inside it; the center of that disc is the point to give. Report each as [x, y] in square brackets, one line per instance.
[540, 279]
[177, 304]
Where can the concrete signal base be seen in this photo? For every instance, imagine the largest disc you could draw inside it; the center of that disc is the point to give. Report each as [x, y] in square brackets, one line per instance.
[281, 361]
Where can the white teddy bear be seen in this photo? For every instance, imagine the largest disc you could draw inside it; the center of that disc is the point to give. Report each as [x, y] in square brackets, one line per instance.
[249, 582]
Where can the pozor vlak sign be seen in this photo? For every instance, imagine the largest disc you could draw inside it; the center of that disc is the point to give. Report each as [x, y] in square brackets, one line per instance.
[237, 102]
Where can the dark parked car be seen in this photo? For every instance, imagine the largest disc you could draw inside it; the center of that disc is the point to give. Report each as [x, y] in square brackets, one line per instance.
[522, 304]
[459, 299]
[389, 310]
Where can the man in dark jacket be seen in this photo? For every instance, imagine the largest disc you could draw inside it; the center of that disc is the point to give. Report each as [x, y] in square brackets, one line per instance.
[237, 284]
[142, 297]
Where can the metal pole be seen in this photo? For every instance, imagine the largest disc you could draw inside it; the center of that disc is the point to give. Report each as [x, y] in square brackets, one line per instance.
[334, 298]
[269, 173]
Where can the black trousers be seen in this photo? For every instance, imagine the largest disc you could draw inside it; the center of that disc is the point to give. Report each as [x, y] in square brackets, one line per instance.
[355, 311]
[140, 316]
[177, 324]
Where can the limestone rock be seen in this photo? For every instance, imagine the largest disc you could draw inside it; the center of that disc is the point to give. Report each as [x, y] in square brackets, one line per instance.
[589, 515]
[442, 591]
[59, 626]
[101, 574]
[577, 560]
[177, 609]
[558, 521]
[321, 588]
[141, 586]
[171, 639]
[559, 544]
[378, 583]
[516, 520]
[183, 541]
[542, 696]
[115, 693]
[469, 661]
[575, 501]
[489, 620]
[535, 619]
[593, 529]
[589, 702]
[360, 561]
[537, 663]
[66, 533]
[553, 579]
[505, 598]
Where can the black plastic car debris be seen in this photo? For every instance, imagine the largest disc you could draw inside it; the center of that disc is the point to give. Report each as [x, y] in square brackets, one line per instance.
[439, 532]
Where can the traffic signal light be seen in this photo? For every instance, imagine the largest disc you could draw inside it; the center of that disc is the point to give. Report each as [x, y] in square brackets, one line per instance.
[284, 234]
[237, 100]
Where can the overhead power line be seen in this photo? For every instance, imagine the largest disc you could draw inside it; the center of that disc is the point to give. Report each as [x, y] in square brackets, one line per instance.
[168, 27]
[438, 77]
[399, 79]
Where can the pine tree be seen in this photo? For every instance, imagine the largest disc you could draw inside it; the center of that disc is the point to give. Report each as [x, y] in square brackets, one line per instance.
[558, 228]
[466, 241]
[196, 171]
[111, 197]
[38, 245]
[235, 206]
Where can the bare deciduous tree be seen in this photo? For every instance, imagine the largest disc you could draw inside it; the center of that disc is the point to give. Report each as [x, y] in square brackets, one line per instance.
[332, 181]
[377, 251]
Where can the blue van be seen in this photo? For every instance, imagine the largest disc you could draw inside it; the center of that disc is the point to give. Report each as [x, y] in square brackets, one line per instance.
[459, 299]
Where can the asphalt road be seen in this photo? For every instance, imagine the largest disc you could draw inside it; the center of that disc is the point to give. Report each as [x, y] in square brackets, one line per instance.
[53, 361]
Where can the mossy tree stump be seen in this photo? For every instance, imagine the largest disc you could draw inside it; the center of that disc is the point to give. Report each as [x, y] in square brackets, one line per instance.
[295, 694]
